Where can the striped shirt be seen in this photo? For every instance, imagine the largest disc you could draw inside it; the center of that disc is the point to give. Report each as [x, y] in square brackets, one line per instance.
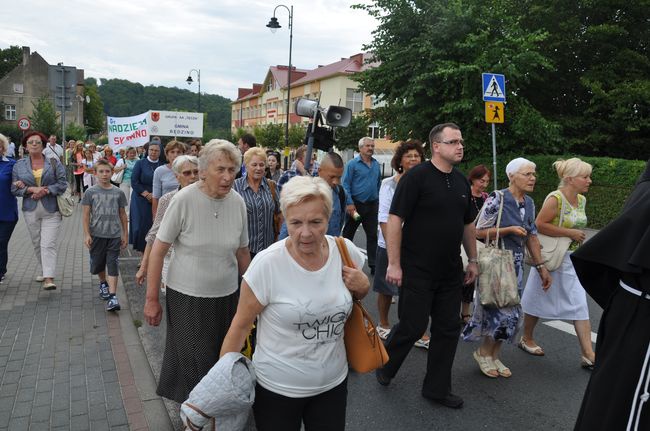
[259, 210]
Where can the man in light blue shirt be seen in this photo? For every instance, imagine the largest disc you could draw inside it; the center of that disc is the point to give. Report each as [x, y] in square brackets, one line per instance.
[331, 170]
[361, 180]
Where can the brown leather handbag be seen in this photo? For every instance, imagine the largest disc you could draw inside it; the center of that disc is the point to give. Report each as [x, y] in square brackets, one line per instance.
[364, 348]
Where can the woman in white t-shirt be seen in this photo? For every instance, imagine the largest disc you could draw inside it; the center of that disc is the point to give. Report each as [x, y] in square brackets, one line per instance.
[302, 296]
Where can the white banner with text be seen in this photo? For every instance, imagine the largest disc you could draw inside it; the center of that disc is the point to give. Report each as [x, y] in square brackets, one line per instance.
[128, 131]
[177, 124]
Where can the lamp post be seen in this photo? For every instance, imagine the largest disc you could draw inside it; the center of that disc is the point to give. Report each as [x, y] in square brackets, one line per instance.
[273, 25]
[189, 81]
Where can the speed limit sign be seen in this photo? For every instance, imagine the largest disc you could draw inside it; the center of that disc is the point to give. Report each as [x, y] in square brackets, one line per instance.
[24, 124]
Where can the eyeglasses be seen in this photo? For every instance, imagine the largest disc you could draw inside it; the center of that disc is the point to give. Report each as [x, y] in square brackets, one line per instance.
[35, 142]
[194, 172]
[453, 142]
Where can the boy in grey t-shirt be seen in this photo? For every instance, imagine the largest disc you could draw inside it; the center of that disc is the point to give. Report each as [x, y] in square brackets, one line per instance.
[105, 230]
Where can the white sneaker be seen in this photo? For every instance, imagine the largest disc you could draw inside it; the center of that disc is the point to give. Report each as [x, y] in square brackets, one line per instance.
[39, 278]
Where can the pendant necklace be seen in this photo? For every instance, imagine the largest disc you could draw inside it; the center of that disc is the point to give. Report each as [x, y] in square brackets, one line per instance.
[217, 207]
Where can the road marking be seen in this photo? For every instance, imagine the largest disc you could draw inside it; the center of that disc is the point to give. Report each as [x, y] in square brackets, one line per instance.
[567, 327]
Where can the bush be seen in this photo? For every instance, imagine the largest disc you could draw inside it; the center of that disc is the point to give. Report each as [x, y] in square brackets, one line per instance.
[12, 131]
[613, 181]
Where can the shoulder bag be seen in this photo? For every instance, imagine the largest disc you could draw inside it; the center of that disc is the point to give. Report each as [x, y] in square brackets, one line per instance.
[364, 348]
[64, 201]
[497, 280]
[118, 176]
[553, 247]
[277, 215]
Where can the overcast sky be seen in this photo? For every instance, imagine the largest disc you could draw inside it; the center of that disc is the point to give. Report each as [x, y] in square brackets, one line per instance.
[158, 42]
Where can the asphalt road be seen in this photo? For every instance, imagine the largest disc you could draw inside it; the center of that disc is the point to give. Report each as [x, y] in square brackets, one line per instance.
[544, 393]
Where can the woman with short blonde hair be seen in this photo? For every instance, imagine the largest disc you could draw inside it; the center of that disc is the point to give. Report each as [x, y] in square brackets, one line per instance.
[261, 197]
[300, 360]
[566, 299]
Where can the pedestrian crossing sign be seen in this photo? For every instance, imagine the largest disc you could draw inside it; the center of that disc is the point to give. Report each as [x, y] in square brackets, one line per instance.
[494, 87]
[494, 112]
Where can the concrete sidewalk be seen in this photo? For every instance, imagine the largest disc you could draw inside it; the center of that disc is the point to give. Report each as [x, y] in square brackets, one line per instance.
[65, 363]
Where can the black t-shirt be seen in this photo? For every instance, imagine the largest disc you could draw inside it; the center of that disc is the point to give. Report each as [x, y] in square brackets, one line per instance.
[435, 207]
[477, 204]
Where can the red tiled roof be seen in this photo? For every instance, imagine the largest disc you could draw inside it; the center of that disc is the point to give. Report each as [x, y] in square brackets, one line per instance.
[344, 66]
[279, 73]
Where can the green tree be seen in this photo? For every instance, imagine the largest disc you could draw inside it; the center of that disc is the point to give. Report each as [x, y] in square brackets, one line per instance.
[93, 110]
[75, 131]
[578, 73]
[269, 135]
[347, 138]
[296, 136]
[432, 53]
[9, 58]
[44, 117]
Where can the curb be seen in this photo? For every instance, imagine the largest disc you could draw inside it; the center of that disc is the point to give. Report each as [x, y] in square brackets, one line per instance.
[152, 405]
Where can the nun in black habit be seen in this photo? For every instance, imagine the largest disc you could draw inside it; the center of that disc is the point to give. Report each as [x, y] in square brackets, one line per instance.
[614, 268]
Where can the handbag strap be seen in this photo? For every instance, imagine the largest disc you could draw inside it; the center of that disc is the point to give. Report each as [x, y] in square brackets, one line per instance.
[562, 199]
[498, 225]
[343, 251]
[274, 195]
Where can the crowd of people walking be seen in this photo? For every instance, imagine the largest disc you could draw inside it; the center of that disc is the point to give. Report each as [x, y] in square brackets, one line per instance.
[235, 243]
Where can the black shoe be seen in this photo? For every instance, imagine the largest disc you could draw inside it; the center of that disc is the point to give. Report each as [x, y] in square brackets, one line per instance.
[450, 400]
[381, 378]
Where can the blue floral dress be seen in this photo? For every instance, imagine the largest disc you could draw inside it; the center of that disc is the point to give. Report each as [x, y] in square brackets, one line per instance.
[503, 324]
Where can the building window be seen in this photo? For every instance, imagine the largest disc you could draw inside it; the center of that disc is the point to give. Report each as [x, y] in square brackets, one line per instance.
[376, 132]
[354, 100]
[18, 88]
[10, 112]
[270, 86]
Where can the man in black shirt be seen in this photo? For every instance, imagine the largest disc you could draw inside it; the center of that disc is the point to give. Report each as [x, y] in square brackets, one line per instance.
[429, 217]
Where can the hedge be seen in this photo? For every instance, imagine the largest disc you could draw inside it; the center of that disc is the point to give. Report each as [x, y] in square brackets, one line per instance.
[613, 181]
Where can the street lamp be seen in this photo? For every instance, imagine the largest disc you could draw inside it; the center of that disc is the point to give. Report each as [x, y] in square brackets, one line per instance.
[189, 81]
[274, 25]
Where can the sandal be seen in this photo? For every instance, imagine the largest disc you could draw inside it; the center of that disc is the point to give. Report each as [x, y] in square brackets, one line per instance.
[535, 351]
[422, 343]
[486, 365]
[382, 332]
[586, 363]
[502, 369]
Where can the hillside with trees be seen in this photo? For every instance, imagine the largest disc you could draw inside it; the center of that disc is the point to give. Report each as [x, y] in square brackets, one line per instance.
[123, 98]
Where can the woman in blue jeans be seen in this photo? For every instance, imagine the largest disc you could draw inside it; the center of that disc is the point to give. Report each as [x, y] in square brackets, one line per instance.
[8, 205]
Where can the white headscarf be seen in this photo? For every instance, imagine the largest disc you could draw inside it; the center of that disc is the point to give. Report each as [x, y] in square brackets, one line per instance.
[517, 164]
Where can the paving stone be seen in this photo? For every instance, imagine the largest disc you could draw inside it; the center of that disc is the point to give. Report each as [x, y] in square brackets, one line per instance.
[40, 414]
[60, 419]
[79, 423]
[19, 424]
[21, 409]
[117, 417]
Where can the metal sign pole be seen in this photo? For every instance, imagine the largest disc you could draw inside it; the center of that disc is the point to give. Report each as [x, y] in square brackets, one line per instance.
[63, 105]
[494, 155]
